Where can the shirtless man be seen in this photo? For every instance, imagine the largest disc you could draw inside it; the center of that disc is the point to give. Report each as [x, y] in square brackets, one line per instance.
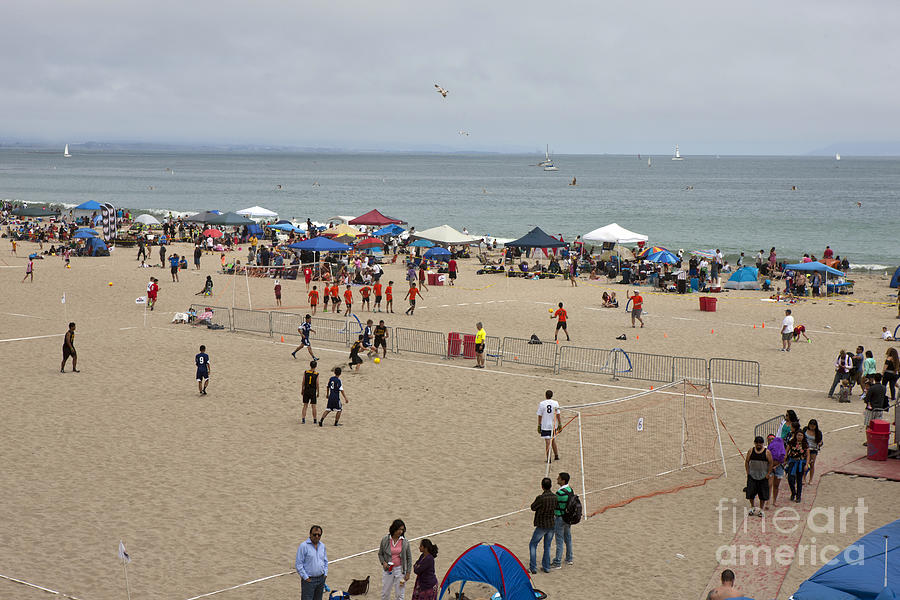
[727, 589]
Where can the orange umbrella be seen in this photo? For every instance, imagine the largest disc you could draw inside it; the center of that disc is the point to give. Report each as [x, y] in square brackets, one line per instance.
[213, 233]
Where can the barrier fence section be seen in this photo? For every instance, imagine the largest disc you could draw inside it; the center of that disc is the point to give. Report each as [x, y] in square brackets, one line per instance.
[772, 426]
[492, 352]
[221, 314]
[521, 352]
[692, 369]
[257, 321]
[732, 371]
[421, 342]
[648, 367]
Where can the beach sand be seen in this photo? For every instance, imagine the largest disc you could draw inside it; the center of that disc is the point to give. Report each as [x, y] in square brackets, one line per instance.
[209, 492]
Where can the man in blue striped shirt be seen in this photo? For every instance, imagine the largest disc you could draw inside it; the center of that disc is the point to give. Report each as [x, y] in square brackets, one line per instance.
[312, 565]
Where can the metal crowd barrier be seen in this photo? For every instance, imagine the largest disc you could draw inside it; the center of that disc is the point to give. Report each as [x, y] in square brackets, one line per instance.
[421, 342]
[586, 360]
[772, 426]
[692, 369]
[648, 367]
[221, 314]
[732, 371]
[251, 320]
[521, 352]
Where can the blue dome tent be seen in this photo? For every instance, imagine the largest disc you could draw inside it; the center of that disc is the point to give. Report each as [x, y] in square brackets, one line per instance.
[860, 571]
[745, 278]
[895, 280]
[494, 565]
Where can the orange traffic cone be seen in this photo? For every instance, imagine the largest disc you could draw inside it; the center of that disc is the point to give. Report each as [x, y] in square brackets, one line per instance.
[712, 330]
[282, 339]
[763, 325]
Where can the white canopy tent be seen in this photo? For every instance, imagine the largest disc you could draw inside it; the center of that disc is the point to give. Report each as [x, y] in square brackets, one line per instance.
[444, 235]
[147, 219]
[345, 219]
[257, 212]
[614, 234]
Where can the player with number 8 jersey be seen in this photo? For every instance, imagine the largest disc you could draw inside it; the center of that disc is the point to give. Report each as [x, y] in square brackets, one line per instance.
[549, 424]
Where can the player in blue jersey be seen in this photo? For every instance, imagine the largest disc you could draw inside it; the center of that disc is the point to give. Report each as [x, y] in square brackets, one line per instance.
[335, 392]
[202, 362]
[304, 330]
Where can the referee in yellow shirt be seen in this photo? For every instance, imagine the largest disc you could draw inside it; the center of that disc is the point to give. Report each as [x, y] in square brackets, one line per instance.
[479, 346]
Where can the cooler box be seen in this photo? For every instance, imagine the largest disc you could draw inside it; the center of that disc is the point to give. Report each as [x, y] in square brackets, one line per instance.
[469, 346]
[432, 278]
[703, 300]
[878, 437]
[438, 279]
[454, 342]
[711, 304]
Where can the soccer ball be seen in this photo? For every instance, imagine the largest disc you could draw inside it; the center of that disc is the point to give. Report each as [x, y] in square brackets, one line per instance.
[110, 284]
[550, 310]
[377, 360]
[68, 266]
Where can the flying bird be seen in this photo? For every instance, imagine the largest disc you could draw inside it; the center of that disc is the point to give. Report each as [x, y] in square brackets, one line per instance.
[441, 90]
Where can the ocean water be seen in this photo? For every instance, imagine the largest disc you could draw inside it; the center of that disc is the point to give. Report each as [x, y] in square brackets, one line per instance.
[733, 203]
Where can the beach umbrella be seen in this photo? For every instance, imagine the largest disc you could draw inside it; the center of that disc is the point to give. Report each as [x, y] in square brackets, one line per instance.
[320, 244]
[345, 239]
[88, 230]
[422, 244]
[147, 220]
[228, 218]
[392, 229]
[437, 253]
[663, 256]
[617, 250]
[83, 234]
[707, 254]
[286, 227]
[647, 250]
[213, 233]
[369, 242]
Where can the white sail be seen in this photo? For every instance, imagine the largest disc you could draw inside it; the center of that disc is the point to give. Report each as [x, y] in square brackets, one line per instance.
[837, 157]
[649, 164]
[677, 154]
[66, 152]
[546, 160]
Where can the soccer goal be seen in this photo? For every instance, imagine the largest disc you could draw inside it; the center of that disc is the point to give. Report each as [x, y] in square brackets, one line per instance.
[654, 442]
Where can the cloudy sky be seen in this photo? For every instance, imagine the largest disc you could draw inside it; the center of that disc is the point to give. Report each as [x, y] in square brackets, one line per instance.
[586, 77]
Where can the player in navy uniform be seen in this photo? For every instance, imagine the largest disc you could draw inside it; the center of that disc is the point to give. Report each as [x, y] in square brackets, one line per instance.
[305, 329]
[202, 361]
[309, 389]
[381, 338]
[367, 339]
[335, 392]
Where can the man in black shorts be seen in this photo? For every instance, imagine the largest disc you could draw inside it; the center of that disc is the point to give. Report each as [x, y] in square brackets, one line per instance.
[381, 338]
[69, 350]
[309, 389]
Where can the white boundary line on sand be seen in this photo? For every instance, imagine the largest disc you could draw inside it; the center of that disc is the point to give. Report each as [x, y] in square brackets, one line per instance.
[34, 337]
[21, 315]
[39, 587]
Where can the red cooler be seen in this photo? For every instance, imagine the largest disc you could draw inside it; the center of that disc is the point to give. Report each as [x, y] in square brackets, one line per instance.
[468, 346]
[878, 437]
[453, 343]
[432, 278]
[711, 304]
[703, 300]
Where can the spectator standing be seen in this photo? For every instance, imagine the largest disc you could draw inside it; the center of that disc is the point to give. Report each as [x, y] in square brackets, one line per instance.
[426, 587]
[776, 448]
[758, 464]
[814, 438]
[856, 370]
[480, 337]
[451, 270]
[842, 366]
[544, 513]
[312, 565]
[876, 401]
[798, 458]
[562, 531]
[787, 331]
[891, 372]
[277, 292]
[396, 561]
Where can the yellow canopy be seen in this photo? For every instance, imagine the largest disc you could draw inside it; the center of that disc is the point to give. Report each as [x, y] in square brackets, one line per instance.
[343, 229]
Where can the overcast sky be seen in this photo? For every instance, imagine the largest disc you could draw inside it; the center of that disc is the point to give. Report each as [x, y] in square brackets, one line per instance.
[585, 77]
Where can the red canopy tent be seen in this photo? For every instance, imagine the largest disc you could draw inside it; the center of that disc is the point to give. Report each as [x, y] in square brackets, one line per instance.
[373, 217]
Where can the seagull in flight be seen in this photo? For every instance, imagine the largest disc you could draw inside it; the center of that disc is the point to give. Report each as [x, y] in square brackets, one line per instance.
[441, 90]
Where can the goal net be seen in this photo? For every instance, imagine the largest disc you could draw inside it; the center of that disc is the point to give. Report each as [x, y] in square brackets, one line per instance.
[650, 443]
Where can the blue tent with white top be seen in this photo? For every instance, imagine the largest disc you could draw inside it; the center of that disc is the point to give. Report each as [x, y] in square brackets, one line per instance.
[814, 266]
[494, 565]
[745, 278]
[860, 571]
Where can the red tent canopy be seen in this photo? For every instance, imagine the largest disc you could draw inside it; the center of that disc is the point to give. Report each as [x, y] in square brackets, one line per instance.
[373, 217]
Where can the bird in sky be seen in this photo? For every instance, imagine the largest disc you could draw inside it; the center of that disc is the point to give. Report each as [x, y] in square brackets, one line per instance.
[441, 90]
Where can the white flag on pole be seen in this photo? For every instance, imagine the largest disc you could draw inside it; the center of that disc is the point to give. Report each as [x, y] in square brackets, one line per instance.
[123, 556]
[63, 301]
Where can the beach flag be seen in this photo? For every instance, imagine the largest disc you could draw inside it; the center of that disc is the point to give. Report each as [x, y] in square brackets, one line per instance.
[123, 556]
[110, 221]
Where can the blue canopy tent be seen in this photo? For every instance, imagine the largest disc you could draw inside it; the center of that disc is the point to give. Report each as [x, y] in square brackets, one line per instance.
[286, 227]
[392, 229]
[320, 244]
[255, 229]
[422, 244]
[863, 571]
[84, 234]
[895, 280]
[536, 238]
[494, 565]
[437, 253]
[820, 268]
[89, 205]
[745, 278]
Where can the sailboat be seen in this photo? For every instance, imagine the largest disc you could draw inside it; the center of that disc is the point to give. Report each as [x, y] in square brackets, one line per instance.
[66, 152]
[677, 154]
[546, 161]
[649, 164]
[837, 156]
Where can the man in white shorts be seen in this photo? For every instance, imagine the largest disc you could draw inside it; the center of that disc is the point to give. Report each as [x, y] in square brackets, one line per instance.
[787, 331]
[549, 423]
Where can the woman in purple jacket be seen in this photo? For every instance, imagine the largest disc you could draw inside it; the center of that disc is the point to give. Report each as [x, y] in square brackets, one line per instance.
[426, 581]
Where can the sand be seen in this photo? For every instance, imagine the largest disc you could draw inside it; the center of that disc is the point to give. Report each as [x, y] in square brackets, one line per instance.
[209, 492]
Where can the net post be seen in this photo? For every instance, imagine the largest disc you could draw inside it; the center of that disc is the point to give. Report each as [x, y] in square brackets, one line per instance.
[615, 373]
[683, 418]
[271, 329]
[718, 432]
[247, 281]
[581, 458]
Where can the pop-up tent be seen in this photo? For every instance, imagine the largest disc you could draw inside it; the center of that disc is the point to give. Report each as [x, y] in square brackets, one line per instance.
[816, 266]
[89, 205]
[745, 278]
[536, 238]
[258, 212]
[147, 220]
[374, 217]
[614, 233]
[444, 235]
[392, 229]
[96, 247]
[320, 244]
[229, 218]
[868, 569]
[494, 565]
[203, 217]
[895, 280]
